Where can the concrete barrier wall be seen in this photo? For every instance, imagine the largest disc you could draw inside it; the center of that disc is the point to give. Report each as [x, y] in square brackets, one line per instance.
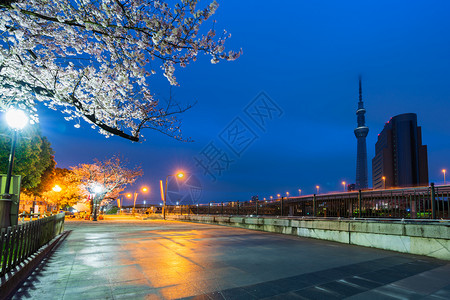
[422, 238]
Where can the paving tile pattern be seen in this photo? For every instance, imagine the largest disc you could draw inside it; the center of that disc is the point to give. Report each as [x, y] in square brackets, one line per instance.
[173, 260]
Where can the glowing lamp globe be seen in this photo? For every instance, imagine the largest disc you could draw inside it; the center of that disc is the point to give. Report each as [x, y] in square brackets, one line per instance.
[57, 188]
[16, 118]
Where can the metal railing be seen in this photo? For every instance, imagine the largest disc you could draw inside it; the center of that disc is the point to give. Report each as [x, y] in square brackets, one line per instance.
[409, 203]
[19, 242]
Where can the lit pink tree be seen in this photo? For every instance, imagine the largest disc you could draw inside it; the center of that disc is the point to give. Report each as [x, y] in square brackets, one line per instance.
[92, 59]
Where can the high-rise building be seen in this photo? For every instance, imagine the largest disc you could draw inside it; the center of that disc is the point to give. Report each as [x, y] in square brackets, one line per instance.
[400, 158]
[361, 132]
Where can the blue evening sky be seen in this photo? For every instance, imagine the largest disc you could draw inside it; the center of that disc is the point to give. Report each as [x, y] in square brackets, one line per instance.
[306, 56]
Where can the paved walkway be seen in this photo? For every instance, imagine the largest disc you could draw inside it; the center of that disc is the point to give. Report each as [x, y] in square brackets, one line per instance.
[169, 260]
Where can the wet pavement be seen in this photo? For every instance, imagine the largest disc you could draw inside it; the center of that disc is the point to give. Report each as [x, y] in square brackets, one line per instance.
[125, 259]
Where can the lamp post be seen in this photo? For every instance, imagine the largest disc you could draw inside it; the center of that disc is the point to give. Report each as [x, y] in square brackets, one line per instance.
[299, 192]
[287, 194]
[97, 191]
[135, 194]
[343, 183]
[384, 182]
[57, 189]
[444, 171]
[16, 119]
[180, 175]
[317, 187]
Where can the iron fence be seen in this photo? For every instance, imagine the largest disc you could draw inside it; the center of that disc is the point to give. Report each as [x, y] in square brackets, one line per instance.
[19, 242]
[409, 203]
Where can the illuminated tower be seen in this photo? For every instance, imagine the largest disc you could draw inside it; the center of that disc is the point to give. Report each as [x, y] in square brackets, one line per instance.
[361, 132]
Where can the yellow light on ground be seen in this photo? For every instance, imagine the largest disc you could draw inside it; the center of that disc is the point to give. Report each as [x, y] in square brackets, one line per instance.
[57, 188]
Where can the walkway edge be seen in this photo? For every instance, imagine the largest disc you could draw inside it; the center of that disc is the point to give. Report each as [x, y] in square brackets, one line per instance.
[13, 279]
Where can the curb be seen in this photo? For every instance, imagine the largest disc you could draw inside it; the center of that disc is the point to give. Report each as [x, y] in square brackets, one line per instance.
[14, 278]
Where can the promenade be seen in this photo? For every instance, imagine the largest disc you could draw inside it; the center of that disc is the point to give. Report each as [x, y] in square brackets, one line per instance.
[134, 259]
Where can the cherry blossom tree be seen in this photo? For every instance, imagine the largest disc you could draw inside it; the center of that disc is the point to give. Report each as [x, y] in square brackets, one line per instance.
[111, 175]
[93, 59]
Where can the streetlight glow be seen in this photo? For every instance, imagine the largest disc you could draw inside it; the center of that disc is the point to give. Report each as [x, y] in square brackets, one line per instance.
[343, 183]
[180, 175]
[299, 192]
[98, 189]
[16, 118]
[57, 188]
[317, 187]
[443, 171]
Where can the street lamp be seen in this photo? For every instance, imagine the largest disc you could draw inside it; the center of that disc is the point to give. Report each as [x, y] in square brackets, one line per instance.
[299, 192]
[317, 187]
[278, 195]
[384, 182]
[98, 189]
[287, 194]
[343, 183]
[135, 194]
[443, 171]
[16, 119]
[271, 198]
[180, 175]
[57, 189]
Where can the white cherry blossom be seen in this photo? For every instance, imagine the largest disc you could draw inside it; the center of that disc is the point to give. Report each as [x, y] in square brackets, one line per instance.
[93, 59]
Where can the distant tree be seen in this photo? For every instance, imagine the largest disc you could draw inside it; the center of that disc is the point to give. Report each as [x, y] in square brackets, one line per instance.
[34, 157]
[111, 175]
[91, 59]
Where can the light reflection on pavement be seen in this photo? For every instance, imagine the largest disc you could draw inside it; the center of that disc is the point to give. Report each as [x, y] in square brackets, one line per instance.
[135, 259]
